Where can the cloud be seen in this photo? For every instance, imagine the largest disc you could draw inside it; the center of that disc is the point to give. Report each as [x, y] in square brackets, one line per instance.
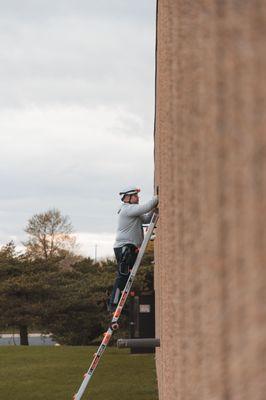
[87, 57]
[95, 246]
[76, 109]
[75, 159]
[39, 10]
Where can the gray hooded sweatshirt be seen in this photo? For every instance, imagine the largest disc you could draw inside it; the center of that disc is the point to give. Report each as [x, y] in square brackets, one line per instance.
[130, 220]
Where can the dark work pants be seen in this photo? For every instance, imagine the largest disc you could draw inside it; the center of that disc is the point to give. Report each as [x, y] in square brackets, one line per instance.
[125, 257]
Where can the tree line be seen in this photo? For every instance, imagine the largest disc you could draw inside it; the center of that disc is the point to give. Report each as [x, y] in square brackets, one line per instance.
[51, 288]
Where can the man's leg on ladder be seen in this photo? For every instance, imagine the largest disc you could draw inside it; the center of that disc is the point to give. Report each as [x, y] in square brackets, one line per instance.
[125, 257]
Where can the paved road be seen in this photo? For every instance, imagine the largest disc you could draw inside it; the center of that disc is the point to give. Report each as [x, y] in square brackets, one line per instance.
[35, 339]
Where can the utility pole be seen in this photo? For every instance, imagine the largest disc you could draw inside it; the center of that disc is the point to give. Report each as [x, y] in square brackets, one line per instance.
[95, 253]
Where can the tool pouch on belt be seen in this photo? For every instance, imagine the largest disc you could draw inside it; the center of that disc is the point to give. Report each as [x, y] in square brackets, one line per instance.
[128, 257]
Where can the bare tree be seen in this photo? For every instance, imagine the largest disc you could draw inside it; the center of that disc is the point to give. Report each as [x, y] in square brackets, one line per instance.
[50, 235]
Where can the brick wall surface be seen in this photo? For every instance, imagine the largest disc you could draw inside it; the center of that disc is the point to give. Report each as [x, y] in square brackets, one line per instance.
[210, 157]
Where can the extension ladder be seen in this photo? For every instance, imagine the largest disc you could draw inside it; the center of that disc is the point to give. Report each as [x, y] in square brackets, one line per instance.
[114, 325]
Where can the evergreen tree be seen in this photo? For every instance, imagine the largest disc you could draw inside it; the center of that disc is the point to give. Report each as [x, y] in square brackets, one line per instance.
[24, 286]
[69, 302]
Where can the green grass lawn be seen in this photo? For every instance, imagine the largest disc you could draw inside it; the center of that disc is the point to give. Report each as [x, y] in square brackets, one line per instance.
[55, 373]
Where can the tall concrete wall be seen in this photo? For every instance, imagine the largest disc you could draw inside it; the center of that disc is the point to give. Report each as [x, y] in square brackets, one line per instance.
[210, 147]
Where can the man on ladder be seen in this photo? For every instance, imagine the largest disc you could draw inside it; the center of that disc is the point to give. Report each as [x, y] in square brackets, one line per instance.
[129, 237]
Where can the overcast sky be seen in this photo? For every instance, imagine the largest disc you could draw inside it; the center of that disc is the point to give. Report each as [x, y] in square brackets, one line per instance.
[76, 112]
